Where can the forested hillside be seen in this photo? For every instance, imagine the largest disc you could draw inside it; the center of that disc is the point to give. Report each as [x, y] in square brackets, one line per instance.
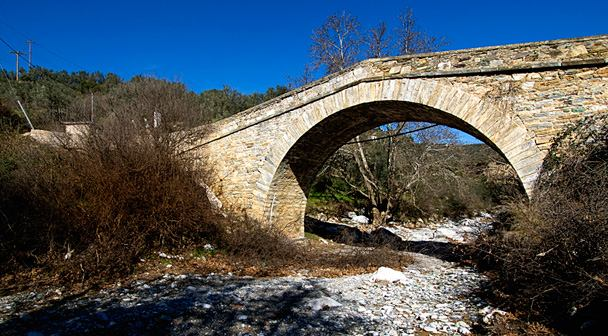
[52, 97]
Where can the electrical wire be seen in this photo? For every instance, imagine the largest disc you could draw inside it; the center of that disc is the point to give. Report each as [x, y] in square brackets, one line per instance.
[394, 135]
[44, 47]
[19, 53]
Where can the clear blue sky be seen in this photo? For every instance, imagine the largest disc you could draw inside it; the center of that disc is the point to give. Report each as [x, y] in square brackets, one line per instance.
[252, 45]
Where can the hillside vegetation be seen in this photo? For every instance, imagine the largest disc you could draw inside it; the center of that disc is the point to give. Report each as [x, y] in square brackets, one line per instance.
[52, 97]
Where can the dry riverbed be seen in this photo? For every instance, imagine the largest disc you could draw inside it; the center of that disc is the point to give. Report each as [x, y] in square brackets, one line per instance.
[432, 297]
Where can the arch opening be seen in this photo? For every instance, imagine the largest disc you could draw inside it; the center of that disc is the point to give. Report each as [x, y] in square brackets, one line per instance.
[286, 200]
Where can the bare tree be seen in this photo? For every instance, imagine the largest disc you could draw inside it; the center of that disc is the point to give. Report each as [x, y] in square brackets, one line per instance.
[306, 77]
[424, 165]
[411, 40]
[375, 164]
[377, 41]
[337, 43]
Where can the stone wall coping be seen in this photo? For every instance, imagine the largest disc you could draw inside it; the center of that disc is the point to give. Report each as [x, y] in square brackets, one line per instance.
[495, 47]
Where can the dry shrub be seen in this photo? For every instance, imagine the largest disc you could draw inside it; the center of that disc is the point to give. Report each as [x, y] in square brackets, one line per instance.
[510, 325]
[90, 209]
[502, 182]
[92, 212]
[261, 250]
[554, 259]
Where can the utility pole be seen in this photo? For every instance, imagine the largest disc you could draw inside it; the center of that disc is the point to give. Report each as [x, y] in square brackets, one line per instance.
[17, 55]
[92, 107]
[29, 46]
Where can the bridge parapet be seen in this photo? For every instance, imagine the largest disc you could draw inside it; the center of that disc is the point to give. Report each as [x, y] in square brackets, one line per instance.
[525, 57]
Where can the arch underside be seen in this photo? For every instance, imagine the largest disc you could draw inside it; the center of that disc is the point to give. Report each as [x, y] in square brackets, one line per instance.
[310, 152]
[286, 202]
[312, 133]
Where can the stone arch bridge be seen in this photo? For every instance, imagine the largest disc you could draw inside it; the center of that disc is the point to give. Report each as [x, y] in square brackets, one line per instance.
[515, 98]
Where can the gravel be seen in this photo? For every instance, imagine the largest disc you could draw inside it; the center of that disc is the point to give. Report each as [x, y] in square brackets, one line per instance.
[434, 297]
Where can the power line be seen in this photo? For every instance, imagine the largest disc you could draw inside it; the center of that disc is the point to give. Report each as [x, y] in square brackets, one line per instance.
[394, 135]
[37, 43]
[13, 50]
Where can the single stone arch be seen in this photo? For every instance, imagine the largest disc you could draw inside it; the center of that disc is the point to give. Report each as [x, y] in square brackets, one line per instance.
[315, 131]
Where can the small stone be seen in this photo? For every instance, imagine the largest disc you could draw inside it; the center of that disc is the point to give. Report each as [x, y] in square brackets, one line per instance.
[360, 219]
[464, 331]
[429, 328]
[323, 303]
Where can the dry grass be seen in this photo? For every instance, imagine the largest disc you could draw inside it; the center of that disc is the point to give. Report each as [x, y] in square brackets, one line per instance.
[552, 262]
[511, 325]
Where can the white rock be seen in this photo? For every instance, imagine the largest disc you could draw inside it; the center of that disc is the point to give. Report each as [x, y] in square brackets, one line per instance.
[322, 303]
[430, 328]
[388, 274]
[488, 314]
[360, 219]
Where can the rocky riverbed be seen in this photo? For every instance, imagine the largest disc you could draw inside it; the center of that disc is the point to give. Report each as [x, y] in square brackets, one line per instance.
[432, 297]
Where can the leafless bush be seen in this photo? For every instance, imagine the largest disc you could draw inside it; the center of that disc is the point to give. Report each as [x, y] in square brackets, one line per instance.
[88, 211]
[554, 260]
[92, 210]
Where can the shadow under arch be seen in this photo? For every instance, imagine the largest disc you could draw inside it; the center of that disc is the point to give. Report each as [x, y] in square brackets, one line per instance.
[285, 202]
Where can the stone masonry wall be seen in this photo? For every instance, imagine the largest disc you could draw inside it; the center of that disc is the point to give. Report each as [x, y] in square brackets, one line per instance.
[516, 98]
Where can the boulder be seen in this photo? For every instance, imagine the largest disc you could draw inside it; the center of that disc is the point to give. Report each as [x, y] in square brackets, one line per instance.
[360, 219]
[389, 275]
[322, 303]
